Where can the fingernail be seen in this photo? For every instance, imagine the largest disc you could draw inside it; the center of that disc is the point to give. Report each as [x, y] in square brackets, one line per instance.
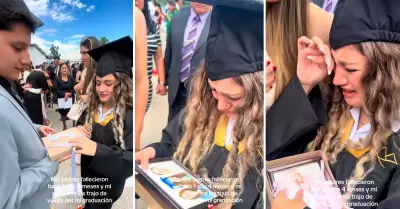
[322, 50]
[268, 62]
[310, 57]
[273, 68]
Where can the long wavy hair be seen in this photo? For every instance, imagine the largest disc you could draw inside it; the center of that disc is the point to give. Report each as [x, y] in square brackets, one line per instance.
[201, 120]
[380, 80]
[90, 43]
[123, 100]
[286, 22]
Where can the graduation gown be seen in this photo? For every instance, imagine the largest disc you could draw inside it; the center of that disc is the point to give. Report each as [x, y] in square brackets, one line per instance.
[380, 189]
[110, 162]
[33, 102]
[252, 198]
[293, 121]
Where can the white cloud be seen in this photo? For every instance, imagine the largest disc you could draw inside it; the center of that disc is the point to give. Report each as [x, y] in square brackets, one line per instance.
[78, 36]
[49, 30]
[59, 14]
[74, 3]
[91, 8]
[68, 50]
[38, 7]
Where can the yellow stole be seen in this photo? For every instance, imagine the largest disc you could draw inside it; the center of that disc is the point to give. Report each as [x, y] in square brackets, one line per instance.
[220, 135]
[105, 121]
[347, 130]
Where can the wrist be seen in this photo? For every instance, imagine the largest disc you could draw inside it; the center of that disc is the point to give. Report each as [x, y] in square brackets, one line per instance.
[307, 89]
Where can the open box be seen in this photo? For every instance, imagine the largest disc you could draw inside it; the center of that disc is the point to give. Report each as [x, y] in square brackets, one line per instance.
[296, 169]
[172, 186]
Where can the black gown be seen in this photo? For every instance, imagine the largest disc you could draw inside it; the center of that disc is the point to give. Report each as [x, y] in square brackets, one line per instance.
[33, 102]
[293, 121]
[110, 162]
[251, 196]
[296, 123]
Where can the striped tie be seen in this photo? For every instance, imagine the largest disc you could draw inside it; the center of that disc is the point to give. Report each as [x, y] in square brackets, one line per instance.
[328, 6]
[188, 49]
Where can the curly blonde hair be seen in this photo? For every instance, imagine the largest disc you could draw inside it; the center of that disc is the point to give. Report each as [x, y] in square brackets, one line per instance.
[123, 100]
[201, 120]
[382, 77]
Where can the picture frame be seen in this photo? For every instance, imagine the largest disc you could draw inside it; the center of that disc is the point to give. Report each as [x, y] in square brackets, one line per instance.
[293, 168]
[170, 185]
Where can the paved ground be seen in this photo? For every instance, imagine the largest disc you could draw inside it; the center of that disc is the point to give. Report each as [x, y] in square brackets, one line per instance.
[61, 198]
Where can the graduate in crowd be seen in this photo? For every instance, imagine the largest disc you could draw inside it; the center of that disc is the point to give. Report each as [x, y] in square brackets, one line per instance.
[361, 140]
[26, 169]
[220, 132]
[286, 21]
[33, 100]
[108, 123]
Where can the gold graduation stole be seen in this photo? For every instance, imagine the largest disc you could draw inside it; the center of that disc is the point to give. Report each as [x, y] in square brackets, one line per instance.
[220, 135]
[357, 152]
[105, 121]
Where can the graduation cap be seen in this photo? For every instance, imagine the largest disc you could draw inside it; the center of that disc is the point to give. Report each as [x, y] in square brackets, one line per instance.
[236, 38]
[116, 56]
[357, 21]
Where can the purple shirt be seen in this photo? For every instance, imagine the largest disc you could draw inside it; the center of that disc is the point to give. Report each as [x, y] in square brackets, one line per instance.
[203, 19]
[329, 8]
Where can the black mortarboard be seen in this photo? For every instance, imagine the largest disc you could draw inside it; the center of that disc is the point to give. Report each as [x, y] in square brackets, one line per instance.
[116, 56]
[236, 38]
[357, 21]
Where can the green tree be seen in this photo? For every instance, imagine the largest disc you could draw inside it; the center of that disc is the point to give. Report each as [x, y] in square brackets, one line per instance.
[54, 51]
[103, 40]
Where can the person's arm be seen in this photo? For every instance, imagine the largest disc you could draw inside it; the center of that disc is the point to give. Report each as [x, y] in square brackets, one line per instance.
[16, 184]
[43, 82]
[78, 75]
[141, 80]
[159, 59]
[319, 23]
[287, 121]
[114, 162]
[167, 56]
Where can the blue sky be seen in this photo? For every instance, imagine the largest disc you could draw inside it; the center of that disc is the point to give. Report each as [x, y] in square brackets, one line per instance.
[67, 21]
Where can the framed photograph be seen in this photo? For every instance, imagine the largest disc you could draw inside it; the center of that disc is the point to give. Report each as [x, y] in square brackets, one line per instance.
[308, 172]
[173, 186]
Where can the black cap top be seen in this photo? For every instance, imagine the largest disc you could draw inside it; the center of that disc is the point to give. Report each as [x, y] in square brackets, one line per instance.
[236, 38]
[116, 56]
[357, 21]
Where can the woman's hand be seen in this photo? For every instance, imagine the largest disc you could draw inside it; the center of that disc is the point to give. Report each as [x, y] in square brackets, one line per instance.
[45, 130]
[314, 62]
[269, 74]
[27, 86]
[144, 156]
[84, 146]
[282, 202]
[84, 131]
[84, 98]
[161, 89]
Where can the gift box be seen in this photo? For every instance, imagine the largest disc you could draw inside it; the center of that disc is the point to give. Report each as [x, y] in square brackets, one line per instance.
[308, 172]
[168, 184]
[57, 145]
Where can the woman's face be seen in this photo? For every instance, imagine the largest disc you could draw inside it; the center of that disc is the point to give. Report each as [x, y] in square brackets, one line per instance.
[139, 4]
[229, 95]
[105, 88]
[189, 194]
[64, 69]
[350, 68]
[171, 7]
[84, 56]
